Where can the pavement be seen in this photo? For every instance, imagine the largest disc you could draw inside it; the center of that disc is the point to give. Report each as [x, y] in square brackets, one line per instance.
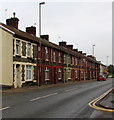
[108, 101]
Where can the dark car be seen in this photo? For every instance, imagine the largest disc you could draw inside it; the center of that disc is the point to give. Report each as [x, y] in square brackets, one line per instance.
[101, 78]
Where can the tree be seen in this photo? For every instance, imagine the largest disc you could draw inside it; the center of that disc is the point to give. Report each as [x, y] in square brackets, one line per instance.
[110, 69]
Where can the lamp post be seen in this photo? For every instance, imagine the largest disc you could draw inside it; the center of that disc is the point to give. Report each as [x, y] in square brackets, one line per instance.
[107, 60]
[93, 49]
[42, 3]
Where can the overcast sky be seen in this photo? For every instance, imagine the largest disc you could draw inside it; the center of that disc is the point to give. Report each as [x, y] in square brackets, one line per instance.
[81, 23]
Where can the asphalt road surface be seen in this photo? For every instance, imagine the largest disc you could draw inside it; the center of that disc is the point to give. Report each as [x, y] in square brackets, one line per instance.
[66, 101]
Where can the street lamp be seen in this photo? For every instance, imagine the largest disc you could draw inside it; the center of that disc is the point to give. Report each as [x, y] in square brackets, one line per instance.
[107, 60]
[93, 49]
[42, 3]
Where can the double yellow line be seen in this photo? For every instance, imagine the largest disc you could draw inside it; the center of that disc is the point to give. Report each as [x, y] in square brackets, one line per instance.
[93, 102]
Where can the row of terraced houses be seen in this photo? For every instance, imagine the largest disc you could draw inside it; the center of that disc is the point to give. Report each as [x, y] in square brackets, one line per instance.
[27, 59]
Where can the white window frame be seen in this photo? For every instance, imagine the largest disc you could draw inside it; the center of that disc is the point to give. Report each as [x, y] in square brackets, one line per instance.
[64, 58]
[29, 73]
[46, 53]
[59, 74]
[39, 52]
[54, 56]
[59, 57]
[28, 50]
[76, 72]
[69, 74]
[19, 47]
[46, 71]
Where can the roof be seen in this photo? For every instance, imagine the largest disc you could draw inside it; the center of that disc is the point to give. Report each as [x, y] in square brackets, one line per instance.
[32, 38]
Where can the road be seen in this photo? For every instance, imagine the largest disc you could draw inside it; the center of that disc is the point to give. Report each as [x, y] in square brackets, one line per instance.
[65, 101]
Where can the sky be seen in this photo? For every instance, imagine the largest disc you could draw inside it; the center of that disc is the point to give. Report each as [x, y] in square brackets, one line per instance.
[78, 22]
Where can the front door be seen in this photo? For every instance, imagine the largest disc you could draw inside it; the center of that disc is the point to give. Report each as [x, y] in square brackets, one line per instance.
[17, 76]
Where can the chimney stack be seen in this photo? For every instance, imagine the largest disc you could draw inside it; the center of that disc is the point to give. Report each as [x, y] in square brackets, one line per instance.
[70, 47]
[62, 44]
[13, 22]
[46, 37]
[84, 54]
[80, 52]
[31, 30]
[76, 50]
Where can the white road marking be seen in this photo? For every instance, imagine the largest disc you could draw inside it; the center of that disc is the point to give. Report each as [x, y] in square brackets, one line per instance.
[43, 97]
[4, 108]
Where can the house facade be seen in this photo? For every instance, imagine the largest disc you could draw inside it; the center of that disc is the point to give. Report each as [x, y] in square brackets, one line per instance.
[27, 59]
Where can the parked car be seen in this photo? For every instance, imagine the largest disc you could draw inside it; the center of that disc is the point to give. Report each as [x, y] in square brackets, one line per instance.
[101, 78]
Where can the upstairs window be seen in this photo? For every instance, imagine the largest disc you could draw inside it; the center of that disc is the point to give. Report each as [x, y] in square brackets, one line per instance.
[46, 53]
[17, 47]
[64, 58]
[59, 57]
[29, 50]
[72, 60]
[39, 53]
[54, 56]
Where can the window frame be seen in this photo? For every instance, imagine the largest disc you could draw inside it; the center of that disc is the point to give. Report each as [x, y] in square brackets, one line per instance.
[29, 48]
[18, 46]
[29, 73]
[59, 75]
[46, 54]
[47, 71]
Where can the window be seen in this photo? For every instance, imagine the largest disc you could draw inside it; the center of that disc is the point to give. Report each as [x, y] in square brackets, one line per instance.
[46, 53]
[59, 57]
[29, 50]
[17, 47]
[76, 72]
[51, 55]
[39, 55]
[76, 61]
[72, 60]
[69, 74]
[59, 74]
[64, 58]
[54, 57]
[28, 72]
[46, 73]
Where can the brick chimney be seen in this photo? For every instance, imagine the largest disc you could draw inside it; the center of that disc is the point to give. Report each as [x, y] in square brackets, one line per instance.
[13, 21]
[80, 52]
[70, 47]
[62, 44]
[46, 37]
[76, 50]
[31, 30]
[84, 54]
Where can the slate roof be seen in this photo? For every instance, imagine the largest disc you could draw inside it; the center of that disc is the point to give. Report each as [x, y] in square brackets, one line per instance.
[32, 38]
